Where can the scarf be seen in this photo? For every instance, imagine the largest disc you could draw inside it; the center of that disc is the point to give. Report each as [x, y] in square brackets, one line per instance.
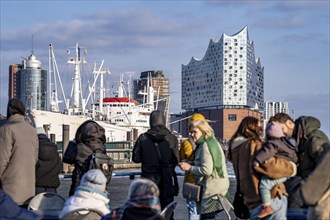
[87, 189]
[213, 146]
[147, 201]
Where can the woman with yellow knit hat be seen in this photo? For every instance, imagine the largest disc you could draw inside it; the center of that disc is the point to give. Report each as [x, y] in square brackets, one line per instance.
[187, 149]
[208, 168]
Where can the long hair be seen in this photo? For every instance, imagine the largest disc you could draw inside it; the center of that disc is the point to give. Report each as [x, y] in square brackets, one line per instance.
[204, 126]
[248, 128]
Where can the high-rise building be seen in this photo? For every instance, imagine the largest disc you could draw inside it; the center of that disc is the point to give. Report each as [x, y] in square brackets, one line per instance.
[28, 82]
[227, 84]
[228, 75]
[160, 84]
[272, 108]
[13, 87]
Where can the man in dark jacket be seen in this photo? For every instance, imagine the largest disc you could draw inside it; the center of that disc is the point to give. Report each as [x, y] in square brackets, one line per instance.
[157, 151]
[311, 141]
[49, 165]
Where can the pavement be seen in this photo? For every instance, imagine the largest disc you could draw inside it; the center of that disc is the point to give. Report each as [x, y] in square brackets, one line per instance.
[118, 194]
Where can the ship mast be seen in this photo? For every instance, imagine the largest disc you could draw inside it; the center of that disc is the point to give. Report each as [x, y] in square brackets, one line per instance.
[53, 70]
[76, 79]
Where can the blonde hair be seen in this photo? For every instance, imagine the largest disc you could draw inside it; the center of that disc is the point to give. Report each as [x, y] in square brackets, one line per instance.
[204, 126]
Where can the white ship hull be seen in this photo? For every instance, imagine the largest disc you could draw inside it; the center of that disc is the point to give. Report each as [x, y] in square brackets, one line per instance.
[56, 120]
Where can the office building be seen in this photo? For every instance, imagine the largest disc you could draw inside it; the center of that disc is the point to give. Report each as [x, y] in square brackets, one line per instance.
[272, 108]
[228, 78]
[28, 82]
[13, 87]
[160, 84]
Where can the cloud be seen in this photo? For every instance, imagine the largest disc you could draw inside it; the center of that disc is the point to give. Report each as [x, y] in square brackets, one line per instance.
[288, 6]
[293, 39]
[280, 22]
[226, 3]
[120, 32]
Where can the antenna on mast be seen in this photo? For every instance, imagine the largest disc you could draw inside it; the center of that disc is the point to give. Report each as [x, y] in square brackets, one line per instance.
[32, 52]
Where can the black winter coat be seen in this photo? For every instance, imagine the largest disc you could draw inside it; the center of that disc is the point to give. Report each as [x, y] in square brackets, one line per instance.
[144, 151]
[49, 164]
[159, 170]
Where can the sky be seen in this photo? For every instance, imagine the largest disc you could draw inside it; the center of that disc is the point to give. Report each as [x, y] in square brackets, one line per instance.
[291, 38]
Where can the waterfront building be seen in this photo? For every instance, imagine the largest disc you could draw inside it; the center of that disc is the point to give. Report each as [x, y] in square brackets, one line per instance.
[228, 78]
[28, 82]
[160, 84]
[272, 108]
[13, 87]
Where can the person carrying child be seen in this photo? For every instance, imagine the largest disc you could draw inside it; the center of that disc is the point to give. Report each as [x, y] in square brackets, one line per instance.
[276, 145]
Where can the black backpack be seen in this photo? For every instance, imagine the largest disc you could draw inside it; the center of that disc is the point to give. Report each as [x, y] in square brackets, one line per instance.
[96, 161]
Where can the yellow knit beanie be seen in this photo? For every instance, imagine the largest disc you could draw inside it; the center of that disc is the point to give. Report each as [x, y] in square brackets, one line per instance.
[196, 117]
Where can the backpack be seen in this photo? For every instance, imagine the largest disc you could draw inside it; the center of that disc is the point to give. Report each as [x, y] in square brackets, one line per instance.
[96, 161]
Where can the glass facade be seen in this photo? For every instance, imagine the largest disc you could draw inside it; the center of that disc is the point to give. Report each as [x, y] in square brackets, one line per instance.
[33, 88]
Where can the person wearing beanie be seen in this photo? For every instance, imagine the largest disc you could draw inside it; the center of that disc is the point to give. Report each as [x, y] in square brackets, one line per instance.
[18, 154]
[196, 117]
[277, 145]
[157, 151]
[91, 193]
[187, 149]
[142, 203]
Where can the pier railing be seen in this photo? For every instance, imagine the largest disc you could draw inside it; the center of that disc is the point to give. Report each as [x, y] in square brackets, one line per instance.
[121, 152]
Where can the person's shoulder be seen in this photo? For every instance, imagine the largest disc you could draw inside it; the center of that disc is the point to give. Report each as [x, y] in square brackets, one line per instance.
[185, 143]
[172, 137]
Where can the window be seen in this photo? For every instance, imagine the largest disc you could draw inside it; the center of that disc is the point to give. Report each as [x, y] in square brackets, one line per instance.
[231, 117]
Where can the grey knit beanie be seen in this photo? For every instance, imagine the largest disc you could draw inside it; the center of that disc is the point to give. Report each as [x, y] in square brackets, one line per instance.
[95, 180]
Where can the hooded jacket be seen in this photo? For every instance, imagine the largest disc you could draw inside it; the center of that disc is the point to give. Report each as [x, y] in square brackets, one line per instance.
[145, 152]
[18, 154]
[311, 142]
[90, 138]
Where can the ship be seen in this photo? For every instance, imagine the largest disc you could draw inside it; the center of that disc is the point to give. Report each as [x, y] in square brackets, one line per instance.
[122, 117]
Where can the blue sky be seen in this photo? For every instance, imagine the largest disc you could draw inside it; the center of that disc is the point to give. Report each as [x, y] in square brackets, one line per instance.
[290, 37]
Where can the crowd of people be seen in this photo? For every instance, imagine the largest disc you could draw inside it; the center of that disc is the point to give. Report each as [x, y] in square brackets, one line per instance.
[266, 167]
